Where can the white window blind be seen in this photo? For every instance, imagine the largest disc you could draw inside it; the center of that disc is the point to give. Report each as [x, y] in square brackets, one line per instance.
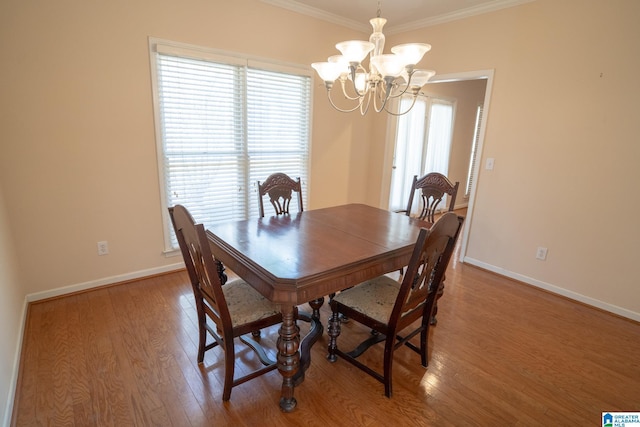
[223, 125]
[474, 150]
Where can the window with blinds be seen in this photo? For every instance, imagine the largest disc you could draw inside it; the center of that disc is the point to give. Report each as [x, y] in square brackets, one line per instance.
[223, 123]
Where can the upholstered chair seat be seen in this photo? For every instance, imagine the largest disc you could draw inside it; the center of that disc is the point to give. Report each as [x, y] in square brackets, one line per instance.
[376, 298]
[246, 305]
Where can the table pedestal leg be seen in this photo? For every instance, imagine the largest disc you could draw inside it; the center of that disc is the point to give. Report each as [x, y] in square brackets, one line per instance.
[333, 330]
[288, 356]
[315, 332]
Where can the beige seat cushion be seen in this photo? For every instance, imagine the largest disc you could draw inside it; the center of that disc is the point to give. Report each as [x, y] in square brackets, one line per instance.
[375, 298]
[245, 304]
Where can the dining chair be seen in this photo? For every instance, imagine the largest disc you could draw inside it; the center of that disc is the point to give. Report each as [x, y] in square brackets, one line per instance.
[224, 312]
[390, 308]
[433, 186]
[280, 188]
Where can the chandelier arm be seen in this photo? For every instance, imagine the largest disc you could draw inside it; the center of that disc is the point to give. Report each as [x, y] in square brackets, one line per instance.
[398, 95]
[415, 97]
[344, 91]
[375, 104]
[406, 87]
[386, 90]
[340, 109]
[364, 110]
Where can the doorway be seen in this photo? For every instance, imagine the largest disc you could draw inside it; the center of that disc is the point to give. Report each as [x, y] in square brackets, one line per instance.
[422, 145]
[487, 76]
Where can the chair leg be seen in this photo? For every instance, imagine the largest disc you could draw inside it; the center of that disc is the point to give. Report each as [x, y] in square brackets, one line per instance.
[229, 365]
[343, 318]
[333, 329]
[434, 320]
[202, 340]
[424, 337]
[388, 364]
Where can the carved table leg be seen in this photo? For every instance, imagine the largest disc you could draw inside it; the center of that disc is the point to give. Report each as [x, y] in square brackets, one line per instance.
[315, 332]
[333, 330]
[288, 356]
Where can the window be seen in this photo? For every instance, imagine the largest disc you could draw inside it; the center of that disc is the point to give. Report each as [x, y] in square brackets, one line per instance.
[422, 145]
[222, 123]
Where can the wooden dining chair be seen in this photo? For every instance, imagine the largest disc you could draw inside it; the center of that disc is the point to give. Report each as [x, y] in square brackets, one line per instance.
[224, 312]
[433, 186]
[280, 188]
[390, 308]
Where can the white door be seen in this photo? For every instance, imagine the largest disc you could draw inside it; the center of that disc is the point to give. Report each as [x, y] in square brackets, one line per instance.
[422, 145]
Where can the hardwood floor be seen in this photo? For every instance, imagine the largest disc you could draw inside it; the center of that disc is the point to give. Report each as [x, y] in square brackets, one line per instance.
[502, 354]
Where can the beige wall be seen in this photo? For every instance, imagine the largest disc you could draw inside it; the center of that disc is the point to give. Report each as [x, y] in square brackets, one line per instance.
[563, 130]
[78, 151]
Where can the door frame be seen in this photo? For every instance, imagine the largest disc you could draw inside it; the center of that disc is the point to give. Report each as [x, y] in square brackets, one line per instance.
[390, 147]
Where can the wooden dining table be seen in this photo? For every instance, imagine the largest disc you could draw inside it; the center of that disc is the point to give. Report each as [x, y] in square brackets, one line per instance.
[300, 258]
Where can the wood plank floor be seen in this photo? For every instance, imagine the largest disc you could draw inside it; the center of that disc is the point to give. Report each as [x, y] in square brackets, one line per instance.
[502, 354]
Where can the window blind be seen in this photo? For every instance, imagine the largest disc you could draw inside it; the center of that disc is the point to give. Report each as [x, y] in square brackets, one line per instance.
[223, 126]
[474, 149]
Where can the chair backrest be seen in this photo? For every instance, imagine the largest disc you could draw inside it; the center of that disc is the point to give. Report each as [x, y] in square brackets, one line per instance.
[204, 271]
[280, 188]
[425, 271]
[433, 187]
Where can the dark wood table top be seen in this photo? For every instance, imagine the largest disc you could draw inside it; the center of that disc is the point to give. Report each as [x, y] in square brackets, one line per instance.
[295, 259]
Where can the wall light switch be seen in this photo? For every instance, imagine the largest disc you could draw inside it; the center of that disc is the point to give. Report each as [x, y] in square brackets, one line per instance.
[489, 164]
[103, 248]
[541, 253]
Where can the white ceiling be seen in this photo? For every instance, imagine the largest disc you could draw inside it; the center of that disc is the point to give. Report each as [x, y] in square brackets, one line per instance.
[401, 15]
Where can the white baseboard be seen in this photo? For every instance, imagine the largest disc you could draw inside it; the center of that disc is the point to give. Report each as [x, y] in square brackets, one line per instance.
[464, 204]
[556, 290]
[102, 282]
[16, 369]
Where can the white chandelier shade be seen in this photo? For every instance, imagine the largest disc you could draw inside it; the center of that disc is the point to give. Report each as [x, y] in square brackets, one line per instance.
[389, 75]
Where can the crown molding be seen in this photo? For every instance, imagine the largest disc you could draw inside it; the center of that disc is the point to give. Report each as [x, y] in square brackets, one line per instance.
[492, 6]
[320, 14]
[457, 15]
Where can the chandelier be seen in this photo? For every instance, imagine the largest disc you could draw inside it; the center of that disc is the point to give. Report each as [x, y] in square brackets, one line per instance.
[389, 75]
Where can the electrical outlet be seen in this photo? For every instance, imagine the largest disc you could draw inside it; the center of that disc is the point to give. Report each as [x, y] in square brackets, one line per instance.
[103, 248]
[541, 253]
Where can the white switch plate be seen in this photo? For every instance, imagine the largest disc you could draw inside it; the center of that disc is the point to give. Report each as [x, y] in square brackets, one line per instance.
[103, 248]
[541, 253]
[489, 164]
